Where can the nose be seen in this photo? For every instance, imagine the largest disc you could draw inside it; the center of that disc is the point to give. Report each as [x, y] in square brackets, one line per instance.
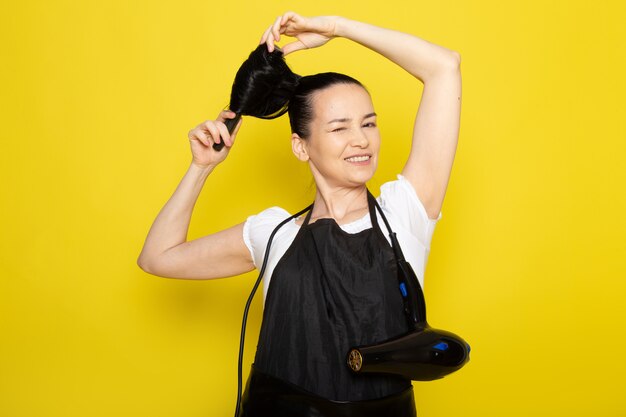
[360, 139]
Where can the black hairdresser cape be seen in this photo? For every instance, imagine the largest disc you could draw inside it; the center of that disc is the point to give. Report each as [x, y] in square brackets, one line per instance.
[330, 291]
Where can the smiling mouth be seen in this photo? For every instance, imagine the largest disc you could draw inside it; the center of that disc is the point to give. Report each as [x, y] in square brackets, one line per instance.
[360, 158]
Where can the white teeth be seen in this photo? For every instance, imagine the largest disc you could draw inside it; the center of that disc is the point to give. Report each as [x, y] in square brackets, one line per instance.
[358, 158]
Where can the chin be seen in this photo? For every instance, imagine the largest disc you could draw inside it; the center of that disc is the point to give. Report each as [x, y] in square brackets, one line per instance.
[361, 179]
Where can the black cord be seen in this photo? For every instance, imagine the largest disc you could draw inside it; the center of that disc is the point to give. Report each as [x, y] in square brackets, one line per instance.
[245, 313]
[413, 295]
[392, 235]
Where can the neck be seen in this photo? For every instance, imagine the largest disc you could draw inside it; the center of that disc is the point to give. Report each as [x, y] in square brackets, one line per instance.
[339, 202]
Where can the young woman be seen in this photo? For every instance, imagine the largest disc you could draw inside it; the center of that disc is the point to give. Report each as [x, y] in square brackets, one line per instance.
[331, 271]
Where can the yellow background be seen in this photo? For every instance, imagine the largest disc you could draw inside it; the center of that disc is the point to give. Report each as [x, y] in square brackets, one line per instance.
[527, 263]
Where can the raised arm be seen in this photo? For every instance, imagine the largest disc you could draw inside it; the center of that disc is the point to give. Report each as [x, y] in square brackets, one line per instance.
[166, 251]
[436, 129]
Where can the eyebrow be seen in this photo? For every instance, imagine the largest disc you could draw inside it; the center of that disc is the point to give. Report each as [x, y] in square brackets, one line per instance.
[346, 119]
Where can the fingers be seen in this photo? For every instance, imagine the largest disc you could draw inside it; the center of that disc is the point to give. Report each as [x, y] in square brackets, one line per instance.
[229, 138]
[211, 132]
[225, 136]
[225, 114]
[264, 37]
[206, 132]
[272, 33]
[276, 28]
[292, 22]
[195, 134]
[200, 136]
[286, 16]
[268, 38]
[293, 46]
[214, 133]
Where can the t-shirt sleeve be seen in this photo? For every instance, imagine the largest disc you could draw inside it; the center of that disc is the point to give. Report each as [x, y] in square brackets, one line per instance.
[400, 199]
[257, 230]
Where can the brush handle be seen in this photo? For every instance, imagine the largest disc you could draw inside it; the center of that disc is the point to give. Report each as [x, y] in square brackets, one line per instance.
[230, 125]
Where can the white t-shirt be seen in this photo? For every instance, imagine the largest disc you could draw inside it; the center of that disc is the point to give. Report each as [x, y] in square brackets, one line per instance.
[404, 212]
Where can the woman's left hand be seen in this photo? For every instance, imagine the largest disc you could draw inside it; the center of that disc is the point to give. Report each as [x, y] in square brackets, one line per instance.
[311, 32]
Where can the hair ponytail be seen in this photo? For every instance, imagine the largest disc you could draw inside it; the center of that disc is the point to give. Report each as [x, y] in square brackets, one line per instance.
[264, 85]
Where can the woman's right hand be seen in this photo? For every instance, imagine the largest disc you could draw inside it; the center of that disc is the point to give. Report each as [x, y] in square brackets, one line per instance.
[203, 136]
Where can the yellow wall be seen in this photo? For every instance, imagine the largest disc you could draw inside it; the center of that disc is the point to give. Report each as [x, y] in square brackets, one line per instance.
[527, 263]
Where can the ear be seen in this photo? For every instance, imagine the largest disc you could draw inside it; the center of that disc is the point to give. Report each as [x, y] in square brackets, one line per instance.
[299, 147]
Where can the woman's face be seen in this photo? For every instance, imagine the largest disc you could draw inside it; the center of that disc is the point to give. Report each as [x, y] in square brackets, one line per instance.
[343, 147]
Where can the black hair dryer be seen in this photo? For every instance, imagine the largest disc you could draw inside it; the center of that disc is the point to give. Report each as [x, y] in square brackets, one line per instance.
[422, 354]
